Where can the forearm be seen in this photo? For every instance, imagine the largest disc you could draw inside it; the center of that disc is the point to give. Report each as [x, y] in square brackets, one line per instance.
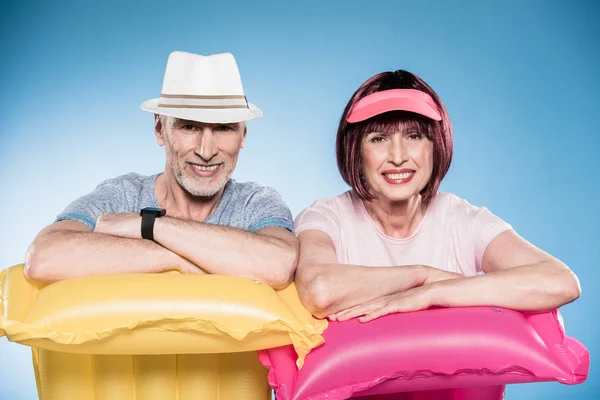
[539, 287]
[328, 289]
[229, 251]
[68, 254]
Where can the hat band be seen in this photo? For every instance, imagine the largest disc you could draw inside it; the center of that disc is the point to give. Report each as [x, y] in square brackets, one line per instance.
[203, 101]
[204, 107]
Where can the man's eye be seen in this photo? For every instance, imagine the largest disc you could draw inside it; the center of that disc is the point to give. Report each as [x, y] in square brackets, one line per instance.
[188, 127]
[223, 128]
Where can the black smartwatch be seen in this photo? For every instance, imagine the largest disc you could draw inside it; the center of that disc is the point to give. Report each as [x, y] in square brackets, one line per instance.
[149, 214]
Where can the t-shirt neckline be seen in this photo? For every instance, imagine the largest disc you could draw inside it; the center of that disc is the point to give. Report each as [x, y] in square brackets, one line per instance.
[212, 218]
[390, 239]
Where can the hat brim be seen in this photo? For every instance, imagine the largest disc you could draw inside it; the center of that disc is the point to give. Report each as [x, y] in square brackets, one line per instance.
[219, 116]
[395, 103]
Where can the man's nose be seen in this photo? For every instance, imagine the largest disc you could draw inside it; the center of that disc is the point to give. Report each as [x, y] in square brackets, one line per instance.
[206, 147]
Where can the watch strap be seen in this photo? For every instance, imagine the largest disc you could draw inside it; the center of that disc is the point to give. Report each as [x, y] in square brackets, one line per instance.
[148, 225]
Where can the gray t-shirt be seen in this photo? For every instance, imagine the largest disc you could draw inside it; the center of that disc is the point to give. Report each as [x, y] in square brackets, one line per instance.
[246, 206]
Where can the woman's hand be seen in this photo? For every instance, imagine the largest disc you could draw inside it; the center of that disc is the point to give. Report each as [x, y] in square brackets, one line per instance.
[414, 299]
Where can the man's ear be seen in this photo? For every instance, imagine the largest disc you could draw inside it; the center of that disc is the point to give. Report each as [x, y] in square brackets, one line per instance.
[158, 130]
[244, 136]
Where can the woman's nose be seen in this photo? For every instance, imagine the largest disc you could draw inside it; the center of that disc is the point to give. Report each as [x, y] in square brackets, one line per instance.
[397, 154]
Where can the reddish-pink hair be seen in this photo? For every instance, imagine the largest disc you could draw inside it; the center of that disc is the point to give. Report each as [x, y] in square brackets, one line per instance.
[350, 136]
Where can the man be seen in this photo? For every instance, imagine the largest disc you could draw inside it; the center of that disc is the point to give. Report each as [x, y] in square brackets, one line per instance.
[192, 217]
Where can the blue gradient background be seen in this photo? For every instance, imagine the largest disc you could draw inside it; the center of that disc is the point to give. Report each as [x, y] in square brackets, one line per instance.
[520, 80]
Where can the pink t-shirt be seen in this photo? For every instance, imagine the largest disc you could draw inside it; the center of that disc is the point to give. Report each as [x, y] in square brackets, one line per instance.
[452, 236]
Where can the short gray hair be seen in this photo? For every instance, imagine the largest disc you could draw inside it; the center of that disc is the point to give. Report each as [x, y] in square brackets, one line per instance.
[166, 120]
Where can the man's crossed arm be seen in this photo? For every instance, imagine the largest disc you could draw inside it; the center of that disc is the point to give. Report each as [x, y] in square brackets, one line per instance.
[68, 249]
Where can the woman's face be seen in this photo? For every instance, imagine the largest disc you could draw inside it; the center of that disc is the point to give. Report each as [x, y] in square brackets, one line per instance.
[398, 165]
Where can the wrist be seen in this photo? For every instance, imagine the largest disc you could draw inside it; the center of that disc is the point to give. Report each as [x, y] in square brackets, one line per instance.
[148, 221]
[158, 222]
[422, 274]
[433, 275]
[159, 230]
[436, 292]
[174, 262]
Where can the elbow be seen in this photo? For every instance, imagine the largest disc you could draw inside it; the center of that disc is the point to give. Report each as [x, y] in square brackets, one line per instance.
[318, 312]
[37, 268]
[286, 266]
[281, 281]
[563, 288]
[571, 287]
[315, 294]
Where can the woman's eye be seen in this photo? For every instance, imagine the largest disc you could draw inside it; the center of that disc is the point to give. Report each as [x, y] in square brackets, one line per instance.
[415, 136]
[377, 139]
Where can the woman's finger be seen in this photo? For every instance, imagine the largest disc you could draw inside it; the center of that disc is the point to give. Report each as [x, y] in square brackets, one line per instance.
[334, 317]
[378, 313]
[359, 310]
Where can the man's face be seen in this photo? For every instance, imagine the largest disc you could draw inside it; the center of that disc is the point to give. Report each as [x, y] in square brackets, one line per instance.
[201, 155]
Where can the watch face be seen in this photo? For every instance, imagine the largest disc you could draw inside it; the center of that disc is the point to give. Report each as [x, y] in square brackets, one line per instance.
[158, 212]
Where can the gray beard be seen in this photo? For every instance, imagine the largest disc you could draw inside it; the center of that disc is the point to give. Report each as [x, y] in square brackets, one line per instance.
[194, 190]
[203, 191]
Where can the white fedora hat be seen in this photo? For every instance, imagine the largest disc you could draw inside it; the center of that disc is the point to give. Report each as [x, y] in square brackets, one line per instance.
[203, 88]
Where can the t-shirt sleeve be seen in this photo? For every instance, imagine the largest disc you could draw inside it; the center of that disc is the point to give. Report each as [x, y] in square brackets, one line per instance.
[486, 226]
[107, 198]
[322, 217]
[267, 209]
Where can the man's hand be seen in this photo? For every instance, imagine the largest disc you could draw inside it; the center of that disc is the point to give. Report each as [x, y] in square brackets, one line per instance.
[125, 225]
[128, 225]
[185, 266]
[415, 299]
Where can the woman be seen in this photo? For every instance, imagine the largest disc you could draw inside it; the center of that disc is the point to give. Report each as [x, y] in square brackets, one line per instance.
[394, 146]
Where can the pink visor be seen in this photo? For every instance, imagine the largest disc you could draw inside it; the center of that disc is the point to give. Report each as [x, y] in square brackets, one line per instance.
[392, 100]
